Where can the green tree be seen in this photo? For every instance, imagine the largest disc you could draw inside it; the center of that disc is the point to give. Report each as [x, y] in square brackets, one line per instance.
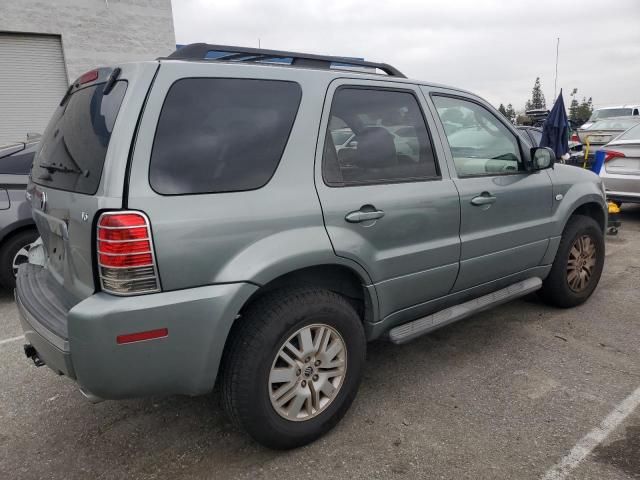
[585, 109]
[574, 106]
[510, 113]
[537, 97]
[502, 110]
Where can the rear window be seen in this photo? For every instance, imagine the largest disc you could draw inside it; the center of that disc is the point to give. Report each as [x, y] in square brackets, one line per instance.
[221, 135]
[17, 164]
[614, 124]
[632, 134]
[75, 143]
[16, 159]
[609, 112]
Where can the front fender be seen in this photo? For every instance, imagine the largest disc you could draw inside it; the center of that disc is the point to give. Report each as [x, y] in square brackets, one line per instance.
[572, 188]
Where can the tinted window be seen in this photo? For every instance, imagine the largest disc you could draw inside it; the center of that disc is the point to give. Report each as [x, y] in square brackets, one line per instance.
[75, 142]
[480, 143]
[536, 136]
[377, 153]
[221, 135]
[17, 163]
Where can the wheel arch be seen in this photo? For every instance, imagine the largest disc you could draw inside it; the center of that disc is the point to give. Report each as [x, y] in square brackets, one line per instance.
[335, 277]
[593, 210]
[16, 228]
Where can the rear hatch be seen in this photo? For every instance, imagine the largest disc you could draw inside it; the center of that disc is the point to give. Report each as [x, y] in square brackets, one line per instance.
[79, 169]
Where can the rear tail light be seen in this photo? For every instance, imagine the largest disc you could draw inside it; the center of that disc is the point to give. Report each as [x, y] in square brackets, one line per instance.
[87, 77]
[126, 261]
[575, 138]
[611, 154]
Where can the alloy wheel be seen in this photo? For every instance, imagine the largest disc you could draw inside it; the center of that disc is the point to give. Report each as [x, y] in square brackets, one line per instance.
[22, 256]
[308, 372]
[582, 261]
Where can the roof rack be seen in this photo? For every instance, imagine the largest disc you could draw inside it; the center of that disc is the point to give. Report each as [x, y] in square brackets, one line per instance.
[199, 51]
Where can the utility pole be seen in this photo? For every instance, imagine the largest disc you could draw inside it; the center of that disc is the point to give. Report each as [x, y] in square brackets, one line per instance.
[555, 83]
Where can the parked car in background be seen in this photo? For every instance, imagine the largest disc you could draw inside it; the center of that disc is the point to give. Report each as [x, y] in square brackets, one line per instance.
[621, 169]
[601, 132]
[199, 223]
[608, 112]
[17, 228]
[534, 135]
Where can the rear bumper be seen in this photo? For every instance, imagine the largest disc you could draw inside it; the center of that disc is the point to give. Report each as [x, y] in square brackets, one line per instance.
[185, 361]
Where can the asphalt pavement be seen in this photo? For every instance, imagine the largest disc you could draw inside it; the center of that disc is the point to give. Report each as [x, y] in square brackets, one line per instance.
[520, 392]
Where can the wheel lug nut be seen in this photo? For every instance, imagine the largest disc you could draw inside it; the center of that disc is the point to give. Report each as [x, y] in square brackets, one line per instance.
[315, 377]
[298, 372]
[307, 360]
[317, 362]
[304, 383]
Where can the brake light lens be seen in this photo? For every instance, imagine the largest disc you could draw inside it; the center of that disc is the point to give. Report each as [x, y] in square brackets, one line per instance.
[575, 138]
[125, 254]
[87, 77]
[611, 154]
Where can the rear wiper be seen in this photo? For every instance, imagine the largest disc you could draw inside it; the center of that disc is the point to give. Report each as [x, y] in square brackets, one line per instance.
[51, 167]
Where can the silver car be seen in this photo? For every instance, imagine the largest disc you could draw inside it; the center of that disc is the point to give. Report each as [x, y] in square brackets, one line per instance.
[621, 170]
[602, 132]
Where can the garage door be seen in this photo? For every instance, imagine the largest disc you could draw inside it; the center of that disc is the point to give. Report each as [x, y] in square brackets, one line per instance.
[33, 80]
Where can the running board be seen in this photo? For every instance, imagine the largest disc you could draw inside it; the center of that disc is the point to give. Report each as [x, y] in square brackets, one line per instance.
[408, 331]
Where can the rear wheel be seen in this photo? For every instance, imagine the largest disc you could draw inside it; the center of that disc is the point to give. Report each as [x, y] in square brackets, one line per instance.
[15, 252]
[578, 264]
[293, 366]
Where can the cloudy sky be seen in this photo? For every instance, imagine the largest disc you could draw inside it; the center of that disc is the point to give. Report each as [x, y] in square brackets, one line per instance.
[493, 48]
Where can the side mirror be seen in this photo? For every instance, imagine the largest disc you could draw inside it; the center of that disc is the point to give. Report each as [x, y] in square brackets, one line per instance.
[542, 157]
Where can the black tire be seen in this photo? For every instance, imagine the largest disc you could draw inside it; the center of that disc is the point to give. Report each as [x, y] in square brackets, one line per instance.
[10, 248]
[555, 288]
[254, 343]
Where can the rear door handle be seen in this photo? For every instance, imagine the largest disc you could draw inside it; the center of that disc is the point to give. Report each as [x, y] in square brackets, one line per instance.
[363, 215]
[485, 198]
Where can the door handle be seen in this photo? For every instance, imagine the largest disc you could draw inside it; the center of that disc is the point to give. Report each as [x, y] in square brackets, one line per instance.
[364, 215]
[485, 198]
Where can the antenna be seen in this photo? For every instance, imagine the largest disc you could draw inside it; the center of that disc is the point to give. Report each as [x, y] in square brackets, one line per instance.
[555, 82]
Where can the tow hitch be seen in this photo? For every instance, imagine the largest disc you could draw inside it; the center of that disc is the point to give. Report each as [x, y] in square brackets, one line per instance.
[30, 352]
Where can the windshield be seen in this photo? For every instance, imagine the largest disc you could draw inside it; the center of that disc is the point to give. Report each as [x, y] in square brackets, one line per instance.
[614, 124]
[608, 113]
[74, 146]
[631, 134]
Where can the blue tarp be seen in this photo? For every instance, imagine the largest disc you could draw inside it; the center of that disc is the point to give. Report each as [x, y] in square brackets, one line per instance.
[555, 132]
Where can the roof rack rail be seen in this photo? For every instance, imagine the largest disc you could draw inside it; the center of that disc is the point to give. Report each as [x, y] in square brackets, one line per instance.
[199, 51]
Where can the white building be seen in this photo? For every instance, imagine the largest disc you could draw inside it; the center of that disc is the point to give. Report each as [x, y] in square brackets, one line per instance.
[45, 45]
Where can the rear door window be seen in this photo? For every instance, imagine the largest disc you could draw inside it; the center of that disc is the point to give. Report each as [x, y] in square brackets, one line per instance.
[390, 143]
[221, 134]
[74, 145]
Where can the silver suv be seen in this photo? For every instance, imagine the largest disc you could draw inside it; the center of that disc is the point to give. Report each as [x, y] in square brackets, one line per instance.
[199, 224]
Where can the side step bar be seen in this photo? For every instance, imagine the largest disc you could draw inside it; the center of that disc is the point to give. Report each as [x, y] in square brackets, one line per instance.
[408, 331]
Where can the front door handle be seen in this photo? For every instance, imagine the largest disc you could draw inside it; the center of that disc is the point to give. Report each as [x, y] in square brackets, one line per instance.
[485, 198]
[366, 212]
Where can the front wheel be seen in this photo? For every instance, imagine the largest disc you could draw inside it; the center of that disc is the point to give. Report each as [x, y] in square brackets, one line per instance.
[578, 264]
[293, 366]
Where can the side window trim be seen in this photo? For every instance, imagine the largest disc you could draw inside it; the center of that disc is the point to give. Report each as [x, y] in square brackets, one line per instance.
[445, 140]
[328, 106]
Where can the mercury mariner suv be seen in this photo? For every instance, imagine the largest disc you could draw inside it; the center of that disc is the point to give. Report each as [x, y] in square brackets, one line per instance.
[200, 224]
